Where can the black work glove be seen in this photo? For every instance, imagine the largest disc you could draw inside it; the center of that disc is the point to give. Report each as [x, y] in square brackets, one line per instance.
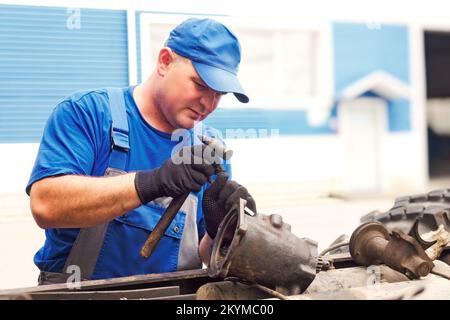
[188, 170]
[219, 198]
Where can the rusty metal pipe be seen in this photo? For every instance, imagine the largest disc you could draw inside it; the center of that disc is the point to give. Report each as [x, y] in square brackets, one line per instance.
[372, 244]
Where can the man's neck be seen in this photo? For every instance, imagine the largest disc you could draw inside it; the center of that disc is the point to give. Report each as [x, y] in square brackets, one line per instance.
[143, 95]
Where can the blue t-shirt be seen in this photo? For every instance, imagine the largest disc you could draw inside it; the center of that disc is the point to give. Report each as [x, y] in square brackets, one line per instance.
[77, 140]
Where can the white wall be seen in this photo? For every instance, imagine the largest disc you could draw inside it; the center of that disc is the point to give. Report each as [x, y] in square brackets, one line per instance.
[287, 159]
[402, 164]
[319, 162]
[16, 161]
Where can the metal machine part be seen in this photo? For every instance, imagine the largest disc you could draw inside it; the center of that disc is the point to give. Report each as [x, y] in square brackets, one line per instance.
[433, 209]
[372, 244]
[261, 249]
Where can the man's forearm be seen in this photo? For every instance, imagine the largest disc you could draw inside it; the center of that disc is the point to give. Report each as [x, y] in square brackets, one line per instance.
[72, 201]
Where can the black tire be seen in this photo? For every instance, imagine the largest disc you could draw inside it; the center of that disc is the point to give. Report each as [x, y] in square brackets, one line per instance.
[433, 209]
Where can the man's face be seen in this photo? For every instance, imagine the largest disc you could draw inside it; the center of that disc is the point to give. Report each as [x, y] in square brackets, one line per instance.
[183, 98]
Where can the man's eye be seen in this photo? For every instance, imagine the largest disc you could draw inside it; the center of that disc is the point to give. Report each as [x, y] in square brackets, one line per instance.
[199, 85]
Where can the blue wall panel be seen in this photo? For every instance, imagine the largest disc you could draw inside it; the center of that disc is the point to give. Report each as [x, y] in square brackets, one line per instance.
[359, 51]
[42, 61]
[399, 115]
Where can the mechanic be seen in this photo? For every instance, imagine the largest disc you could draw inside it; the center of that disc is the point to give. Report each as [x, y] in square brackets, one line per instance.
[105, 169]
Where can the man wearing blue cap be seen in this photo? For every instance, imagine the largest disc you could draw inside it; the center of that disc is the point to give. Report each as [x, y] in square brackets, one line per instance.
[105, 169]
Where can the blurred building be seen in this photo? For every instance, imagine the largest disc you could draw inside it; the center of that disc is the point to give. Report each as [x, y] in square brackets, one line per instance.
[337, 103]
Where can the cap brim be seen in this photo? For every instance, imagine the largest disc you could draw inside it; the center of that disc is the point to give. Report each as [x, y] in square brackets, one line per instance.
[220, 80]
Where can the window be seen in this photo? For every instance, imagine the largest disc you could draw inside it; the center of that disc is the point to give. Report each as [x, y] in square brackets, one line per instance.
[284, 64]
[278, 63]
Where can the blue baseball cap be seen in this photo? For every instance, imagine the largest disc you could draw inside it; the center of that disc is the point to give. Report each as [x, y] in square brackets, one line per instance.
[214, 51]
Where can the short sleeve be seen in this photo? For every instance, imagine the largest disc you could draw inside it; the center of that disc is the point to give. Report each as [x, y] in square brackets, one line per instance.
[68, 144]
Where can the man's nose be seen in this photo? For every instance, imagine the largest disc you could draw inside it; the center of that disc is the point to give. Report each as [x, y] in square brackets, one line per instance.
[210, 100]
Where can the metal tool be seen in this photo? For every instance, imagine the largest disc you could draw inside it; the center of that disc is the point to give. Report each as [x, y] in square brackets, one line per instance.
[175, 205]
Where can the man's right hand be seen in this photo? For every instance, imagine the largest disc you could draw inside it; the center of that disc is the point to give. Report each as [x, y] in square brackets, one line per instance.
[188, 170]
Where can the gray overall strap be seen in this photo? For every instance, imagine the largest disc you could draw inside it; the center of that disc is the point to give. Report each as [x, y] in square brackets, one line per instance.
[89, 242]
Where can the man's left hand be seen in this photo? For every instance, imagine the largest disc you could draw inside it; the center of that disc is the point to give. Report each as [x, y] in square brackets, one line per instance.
[219, 198]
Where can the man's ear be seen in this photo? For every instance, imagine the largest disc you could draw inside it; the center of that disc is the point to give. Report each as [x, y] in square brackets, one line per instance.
[166, 58]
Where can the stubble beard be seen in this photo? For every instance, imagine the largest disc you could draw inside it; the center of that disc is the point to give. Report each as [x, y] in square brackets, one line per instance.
[172, 121]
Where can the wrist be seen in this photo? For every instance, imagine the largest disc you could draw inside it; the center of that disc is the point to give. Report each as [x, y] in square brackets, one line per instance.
[147, 184]
[205, 249]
